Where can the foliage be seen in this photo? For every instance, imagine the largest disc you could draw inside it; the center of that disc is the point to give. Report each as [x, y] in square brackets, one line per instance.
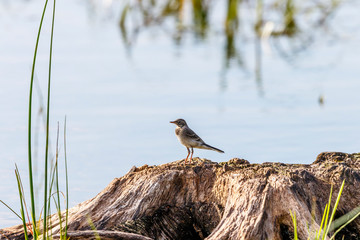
[51, 183]
[328, 224]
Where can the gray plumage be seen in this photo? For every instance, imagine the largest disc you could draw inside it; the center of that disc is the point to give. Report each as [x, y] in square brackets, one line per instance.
[190, 139]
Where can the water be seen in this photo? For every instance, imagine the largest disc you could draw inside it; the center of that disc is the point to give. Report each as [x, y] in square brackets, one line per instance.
[119, 105]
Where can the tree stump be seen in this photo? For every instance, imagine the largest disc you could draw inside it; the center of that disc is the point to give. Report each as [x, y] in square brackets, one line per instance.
[207, 200]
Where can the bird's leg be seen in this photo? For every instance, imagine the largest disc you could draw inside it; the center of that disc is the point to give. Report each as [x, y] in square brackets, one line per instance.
[187, 155]
[192, 151]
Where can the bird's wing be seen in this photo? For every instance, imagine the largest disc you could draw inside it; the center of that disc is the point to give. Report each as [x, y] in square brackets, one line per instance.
[191, 134]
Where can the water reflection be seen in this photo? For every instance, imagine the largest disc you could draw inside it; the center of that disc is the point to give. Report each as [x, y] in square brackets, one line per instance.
[287, 26]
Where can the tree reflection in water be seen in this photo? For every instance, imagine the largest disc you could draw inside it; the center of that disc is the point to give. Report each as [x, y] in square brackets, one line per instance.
[288, 26]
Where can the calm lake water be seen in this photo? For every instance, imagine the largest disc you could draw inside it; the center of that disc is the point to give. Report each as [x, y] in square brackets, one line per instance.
[119, 103]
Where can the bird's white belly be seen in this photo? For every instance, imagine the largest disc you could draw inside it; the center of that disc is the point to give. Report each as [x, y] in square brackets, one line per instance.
[188, 142]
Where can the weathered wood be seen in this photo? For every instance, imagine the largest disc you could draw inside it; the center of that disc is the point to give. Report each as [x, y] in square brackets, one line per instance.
[207, 200]
[103, 234]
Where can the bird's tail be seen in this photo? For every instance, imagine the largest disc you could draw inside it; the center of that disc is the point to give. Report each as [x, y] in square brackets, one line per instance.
[206, 146]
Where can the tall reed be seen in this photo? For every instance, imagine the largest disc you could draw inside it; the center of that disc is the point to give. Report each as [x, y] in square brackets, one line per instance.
[33, 226]
[47, 120]
[32, 195]
[66, 183]
[54, 177]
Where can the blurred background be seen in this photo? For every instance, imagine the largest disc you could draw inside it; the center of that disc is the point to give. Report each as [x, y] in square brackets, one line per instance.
[264, 80]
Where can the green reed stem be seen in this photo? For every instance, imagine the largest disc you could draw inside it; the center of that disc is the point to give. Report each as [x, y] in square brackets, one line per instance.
[21, 203]
[52, 179]
[24, 200]
[327, 214]
[58, 205]
[33, 211]
[346, 223]
[334, 209]
[67, 186]
[293, 217]
[10, 209]
[47, 119]
[93, 228]
[322, 222]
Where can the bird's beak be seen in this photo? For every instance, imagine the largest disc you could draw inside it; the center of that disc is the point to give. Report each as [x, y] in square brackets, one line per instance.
[172, 122]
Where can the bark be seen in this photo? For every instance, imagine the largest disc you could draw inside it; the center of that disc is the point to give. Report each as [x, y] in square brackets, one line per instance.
[103, 235]
[207, 200]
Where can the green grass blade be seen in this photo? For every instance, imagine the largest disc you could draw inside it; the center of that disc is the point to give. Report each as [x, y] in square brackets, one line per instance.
[21, 204]
[335, 207]
[23, 198]
[57, 206]
[10, 209]
[52, 179]
[58, 203]
[22, 189]
[293, 217]
[47, 119]
[344, 219]
[327, 213]
[67, 185]
[32, 196]
[344, 225]
[97, 236]
[322, 222]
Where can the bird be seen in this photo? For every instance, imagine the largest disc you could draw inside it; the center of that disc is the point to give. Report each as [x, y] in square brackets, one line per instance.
[190, 139]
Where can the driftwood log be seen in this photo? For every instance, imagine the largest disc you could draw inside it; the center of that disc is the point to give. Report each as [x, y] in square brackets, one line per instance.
[207, 200]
